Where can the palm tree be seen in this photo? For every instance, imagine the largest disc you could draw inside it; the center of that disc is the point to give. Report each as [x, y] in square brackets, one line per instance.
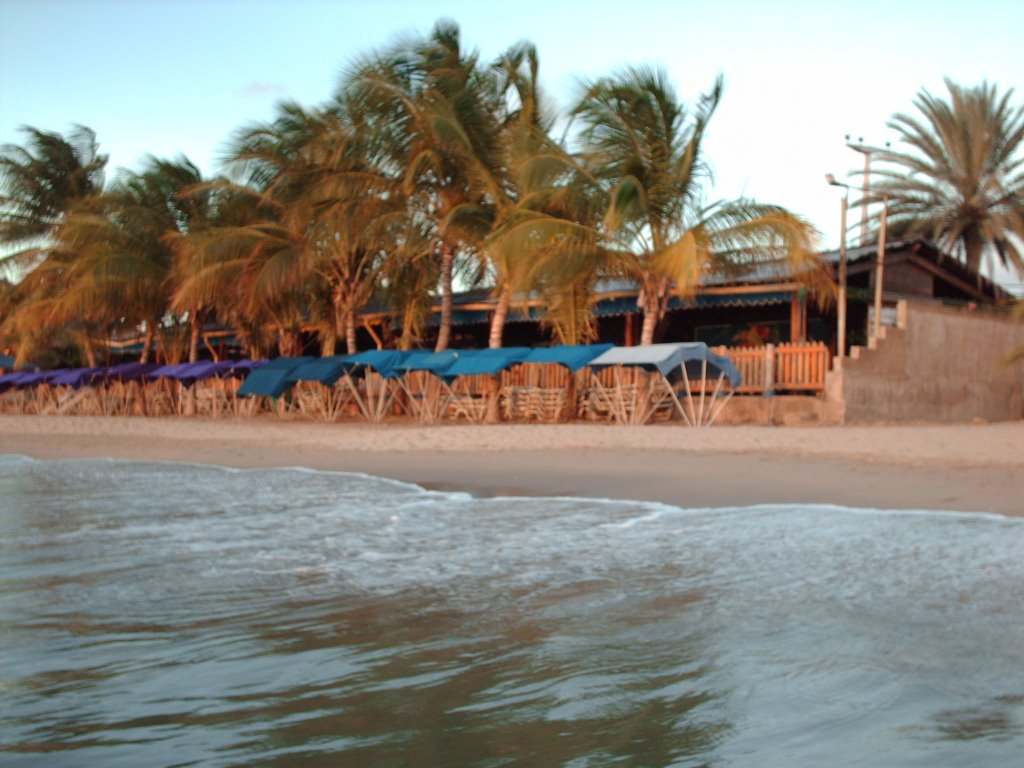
[646, 150]
[314, 245]
[40, 184]
[960, 181]
[124, 246]
[42, 181]
[435, 109]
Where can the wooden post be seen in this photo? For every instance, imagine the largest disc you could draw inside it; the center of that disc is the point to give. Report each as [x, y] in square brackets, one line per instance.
[798, 316]
[493, 412]
[880, 270]
[569, 408]
[841, 305]
[769, 368]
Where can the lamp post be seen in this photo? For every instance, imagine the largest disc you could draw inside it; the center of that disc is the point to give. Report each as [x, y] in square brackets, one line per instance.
[867, 152]
[880, 269]
[880, 264]
[841, 304]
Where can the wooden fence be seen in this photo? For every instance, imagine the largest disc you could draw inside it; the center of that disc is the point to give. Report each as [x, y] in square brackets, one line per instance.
[781, 367]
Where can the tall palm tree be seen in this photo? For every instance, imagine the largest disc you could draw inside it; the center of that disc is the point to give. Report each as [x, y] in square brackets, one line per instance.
[313, 177]
[646, 149]
[960, 179]
[40, 184]
[124, 246]
[42, 181]
[435, 108]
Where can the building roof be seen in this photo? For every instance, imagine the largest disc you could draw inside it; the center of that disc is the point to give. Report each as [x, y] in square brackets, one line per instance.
[946, 266]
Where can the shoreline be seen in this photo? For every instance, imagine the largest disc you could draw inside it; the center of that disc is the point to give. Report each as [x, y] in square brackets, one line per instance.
[954, 467]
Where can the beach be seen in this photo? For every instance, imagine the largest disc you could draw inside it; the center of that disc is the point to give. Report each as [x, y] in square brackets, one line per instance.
[970, 467]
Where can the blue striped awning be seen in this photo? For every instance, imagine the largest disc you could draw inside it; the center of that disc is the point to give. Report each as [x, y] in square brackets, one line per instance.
[625, 305]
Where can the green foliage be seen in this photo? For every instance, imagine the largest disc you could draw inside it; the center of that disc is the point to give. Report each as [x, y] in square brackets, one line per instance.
[959, 179]
[428, 166]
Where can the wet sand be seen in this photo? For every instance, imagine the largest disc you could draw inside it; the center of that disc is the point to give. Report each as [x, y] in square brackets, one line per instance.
[961, 467]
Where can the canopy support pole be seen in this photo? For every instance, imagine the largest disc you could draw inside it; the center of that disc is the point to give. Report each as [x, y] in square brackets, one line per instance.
[714, 399]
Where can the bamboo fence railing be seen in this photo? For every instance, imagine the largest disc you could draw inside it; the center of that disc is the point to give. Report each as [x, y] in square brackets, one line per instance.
[781, 367]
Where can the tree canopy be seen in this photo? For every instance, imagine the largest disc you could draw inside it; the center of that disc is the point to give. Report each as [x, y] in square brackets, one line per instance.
[958, 176]
[428, 166]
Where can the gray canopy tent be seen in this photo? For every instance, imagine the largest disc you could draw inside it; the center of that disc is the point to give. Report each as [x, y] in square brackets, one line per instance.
[672, 371]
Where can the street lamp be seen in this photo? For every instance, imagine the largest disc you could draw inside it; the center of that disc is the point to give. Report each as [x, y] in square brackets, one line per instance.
[879, 272]
[867, 152]
[841, 308]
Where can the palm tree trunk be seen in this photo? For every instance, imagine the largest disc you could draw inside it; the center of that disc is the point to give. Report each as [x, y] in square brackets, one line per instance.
[193, 341]
[444, 331]
[147, 344]
[289, 342]
[654, 305]
[339, 315]
[329, 345]
[89, 349]
[410, 333]
[650, 323]
[973, 248]
[500, 315]
[350, 332]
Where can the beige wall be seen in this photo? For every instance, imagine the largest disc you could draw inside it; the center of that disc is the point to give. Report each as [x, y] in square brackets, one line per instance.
[941, 364]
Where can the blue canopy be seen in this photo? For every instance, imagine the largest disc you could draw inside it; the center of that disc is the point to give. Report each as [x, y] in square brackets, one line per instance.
[9, 380]
[290, 363]
[424, 360]
[188, 373]
[76, 377]
[22, 379]
[123, 372]
[238, 368]
[384, 361]
[667, 359]
[168, 371]
[273, 379]
[326, 370]
[485, 361]
[572, 357]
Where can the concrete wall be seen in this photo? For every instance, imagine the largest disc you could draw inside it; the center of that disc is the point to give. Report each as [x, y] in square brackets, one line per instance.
[940, 364]
[778, 410]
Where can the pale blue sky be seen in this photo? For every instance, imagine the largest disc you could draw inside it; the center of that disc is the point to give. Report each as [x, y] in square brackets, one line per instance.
[166, 76]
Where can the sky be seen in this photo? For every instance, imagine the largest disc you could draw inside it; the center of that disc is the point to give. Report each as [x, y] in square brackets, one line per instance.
[166, 77]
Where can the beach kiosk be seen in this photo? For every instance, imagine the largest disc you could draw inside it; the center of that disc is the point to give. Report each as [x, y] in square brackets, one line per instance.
[372, 379]
[269, 383]
[543, 386]
[316, 392]
[633, 385]
[426, 391]
[473, 382]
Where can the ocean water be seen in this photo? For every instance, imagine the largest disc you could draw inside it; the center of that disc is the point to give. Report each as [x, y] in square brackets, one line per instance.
[180, 615]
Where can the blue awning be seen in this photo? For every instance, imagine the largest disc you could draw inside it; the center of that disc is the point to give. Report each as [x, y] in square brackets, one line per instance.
[266, 382]
[424, 360]
[485, 361]
[75, 377]
[572, 356]
[326, 370]
[627, 304]
[667, 359]
[124, 372]
[291, 363]
[383, 361]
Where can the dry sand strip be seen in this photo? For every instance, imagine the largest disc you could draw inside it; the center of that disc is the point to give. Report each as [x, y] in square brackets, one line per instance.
[963, 467]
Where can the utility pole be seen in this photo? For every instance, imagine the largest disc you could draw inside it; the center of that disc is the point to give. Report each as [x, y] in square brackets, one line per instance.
[867, 151]
[841, 303]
